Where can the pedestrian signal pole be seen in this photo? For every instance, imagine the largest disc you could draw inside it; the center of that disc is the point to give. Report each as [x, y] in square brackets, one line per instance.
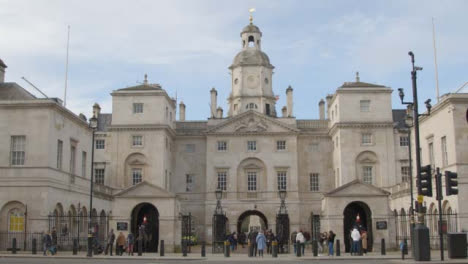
[439, 198]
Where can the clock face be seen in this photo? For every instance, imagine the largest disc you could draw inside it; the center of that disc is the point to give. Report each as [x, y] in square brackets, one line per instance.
[252, 81]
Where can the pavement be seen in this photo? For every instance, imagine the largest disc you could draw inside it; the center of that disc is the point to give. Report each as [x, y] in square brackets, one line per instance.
[68, 257]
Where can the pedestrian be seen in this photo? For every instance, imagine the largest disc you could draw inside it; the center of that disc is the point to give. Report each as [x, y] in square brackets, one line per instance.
[356, 237]
[241, 239]
[130, 243]
[54, 236]
[46, 241]
[261, 243]
[364, 241]
[110, 242]
[293, 240]
[269, 239]
[300, 242]
[321, 242]
[120, 244]
[331, 241]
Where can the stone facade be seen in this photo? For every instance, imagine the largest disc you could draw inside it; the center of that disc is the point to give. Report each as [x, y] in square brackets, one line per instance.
[150, 168]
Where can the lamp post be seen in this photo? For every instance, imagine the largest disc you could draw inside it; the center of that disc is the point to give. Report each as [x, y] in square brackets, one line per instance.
[93, 125]
[219, 196]
[421, 249]
[282, 196]
[282, 223]
[219, 224]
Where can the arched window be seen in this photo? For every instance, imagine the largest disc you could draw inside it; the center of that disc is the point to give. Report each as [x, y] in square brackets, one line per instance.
[15, 220]
[251, 41]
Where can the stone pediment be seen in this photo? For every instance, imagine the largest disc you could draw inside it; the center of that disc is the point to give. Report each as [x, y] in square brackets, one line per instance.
[144, 189]
[357, 188]
[252, 122]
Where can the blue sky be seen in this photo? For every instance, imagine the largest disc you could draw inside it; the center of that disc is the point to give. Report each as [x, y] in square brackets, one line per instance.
[186, 46]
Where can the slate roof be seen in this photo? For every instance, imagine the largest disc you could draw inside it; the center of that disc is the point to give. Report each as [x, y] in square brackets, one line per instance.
[360, 85]
[13, 91]
[142, 87]
[399, 116]
[251, 57]
[251, 28]
[104, 120]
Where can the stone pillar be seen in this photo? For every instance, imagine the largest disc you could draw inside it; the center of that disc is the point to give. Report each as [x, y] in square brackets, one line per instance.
[322, 109]
[214, 98]
[284, 111]
[182, 111]
[219, 112]
[289, 99]
[2, 71]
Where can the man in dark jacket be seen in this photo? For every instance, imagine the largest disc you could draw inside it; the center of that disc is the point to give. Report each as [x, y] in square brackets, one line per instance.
[110, 242]
[46, 242]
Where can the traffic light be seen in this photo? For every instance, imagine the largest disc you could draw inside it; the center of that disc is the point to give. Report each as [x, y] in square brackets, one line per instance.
[425, 181]
[451, 183]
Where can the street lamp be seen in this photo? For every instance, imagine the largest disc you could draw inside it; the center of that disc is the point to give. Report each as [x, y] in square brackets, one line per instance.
[282, 196]
[421, 248]
[219, 196]
[93, 123]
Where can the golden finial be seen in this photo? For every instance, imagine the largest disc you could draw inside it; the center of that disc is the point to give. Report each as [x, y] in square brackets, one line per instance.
[251, 10]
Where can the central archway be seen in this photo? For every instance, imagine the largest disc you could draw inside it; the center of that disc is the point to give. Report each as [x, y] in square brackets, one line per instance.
[246, 215]
[351, 211]
[146, 214]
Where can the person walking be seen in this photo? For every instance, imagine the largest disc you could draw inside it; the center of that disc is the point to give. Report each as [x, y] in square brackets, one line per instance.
[46, 242]
[120, 244]
[300, 242]
[356, 237]
[261, 243]
[241, 239]
[110, 242]
[293, 240]
[331, 241]
[54, 236]
[130, 243]
[364, 241]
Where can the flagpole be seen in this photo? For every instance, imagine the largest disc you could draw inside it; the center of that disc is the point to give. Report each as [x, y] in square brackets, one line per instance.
[435, 60]
[66, 70]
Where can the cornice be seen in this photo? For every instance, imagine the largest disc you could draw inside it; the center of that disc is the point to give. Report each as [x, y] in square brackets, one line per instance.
[147, 127]
[338, 125]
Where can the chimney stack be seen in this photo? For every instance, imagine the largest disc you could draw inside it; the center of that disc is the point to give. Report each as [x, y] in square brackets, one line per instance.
[289, 99]
[2, 71]
[96, 110]
[322, 109]
[182, 111]
[219, 112]
[284, 111]
[214, 98]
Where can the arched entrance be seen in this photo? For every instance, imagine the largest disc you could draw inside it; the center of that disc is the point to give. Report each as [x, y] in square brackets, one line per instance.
[250, 219]
[350, 214]
[147, 215]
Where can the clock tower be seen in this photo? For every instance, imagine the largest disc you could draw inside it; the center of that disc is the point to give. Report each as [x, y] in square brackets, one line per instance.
[251, 73]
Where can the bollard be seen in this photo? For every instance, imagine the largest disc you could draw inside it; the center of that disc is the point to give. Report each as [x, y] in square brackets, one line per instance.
[140, 247]
[203, 250]
[315, 248]
[34, 246]
[75, 246]
[338, 253]
[226, 248]
[274, 249]
[382, 247]
[161, 249]
[13, 246]
[184, 248]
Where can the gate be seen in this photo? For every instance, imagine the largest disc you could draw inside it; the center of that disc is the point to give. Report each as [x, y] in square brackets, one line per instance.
[187, 236]
[282, 231]
[219, 232]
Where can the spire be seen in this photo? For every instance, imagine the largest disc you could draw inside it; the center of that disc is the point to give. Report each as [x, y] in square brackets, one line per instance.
[357, 77]
[146, 79]
[251, 10]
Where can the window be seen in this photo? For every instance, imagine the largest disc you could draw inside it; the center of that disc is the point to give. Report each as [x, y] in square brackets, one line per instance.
[314, 182]
[365, 105]
[443, 143]
[72, 159]
[405, 173]
[100, 144]
[83, 164]
[136, 176]
[222, 145]
[251, 181]
[222, 180]
[367, 174]
[404, 141]
[251, 106]
[18, 146]
[281, 145]
[137, 141]
[267, 106]
[16, 221]
[59, 154]
[188, 182]
[190, 148]
[281, 180]
[366, 138]
[99, 176]
[167, 113]
[137, 108]
[251, 145]
[431, 155]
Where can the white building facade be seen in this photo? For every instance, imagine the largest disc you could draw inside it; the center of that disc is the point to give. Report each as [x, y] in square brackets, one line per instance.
[151, 168]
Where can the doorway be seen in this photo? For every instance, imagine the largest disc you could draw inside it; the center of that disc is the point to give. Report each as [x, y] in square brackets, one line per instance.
[251, 220]
[145, 222]
[357, 214]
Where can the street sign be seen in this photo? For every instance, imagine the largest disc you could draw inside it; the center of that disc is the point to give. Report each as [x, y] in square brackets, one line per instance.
[420, 199]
